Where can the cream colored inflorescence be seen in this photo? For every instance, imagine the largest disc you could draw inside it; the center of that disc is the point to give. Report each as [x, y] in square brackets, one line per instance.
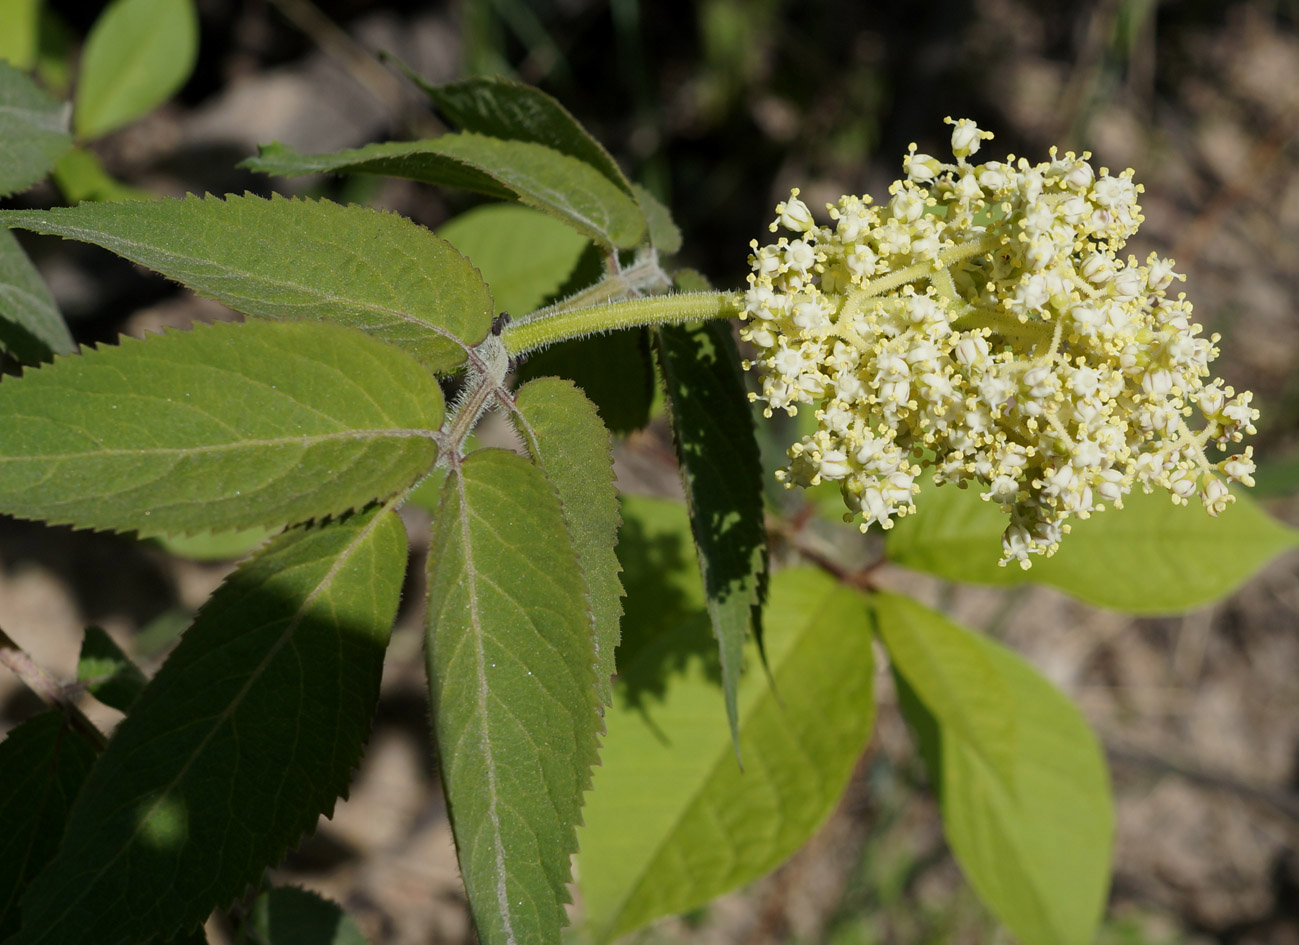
[981, 324]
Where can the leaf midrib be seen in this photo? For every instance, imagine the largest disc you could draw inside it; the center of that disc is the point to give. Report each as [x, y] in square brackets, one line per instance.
[312, 440]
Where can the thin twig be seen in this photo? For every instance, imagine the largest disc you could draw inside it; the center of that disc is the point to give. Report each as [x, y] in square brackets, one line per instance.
[48, 689]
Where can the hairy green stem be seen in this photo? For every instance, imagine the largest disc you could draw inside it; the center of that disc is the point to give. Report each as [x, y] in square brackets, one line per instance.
[534, 333]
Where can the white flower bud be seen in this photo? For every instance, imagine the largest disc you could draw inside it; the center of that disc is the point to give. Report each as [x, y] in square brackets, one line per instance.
[966, 137]
[794, 214]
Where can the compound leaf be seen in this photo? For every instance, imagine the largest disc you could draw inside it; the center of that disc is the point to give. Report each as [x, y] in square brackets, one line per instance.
[225, 426]
[33, 131]
[512, 681]
[31, 328]
[247, 734]
[283, 258]
[1149, 557]
[502, 108]
[566, 438]
[107, 672]
[45, 762]
[1038, 854]
[138, 54]
[523, 255]
[568, 189]
[671, 822]
[721, 471]
[287, 915]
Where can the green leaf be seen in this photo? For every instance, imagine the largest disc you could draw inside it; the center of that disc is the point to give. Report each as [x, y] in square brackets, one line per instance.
[225, 426]
[512, 681]
[45, 763]
[1149, 557]
[31, 328]
[138, 54]
[722, 475]
[109, 673]
[283, 258]
[1038, 855]
[956, 679]
[664, 233]
[613, 370]
[538, 176]
[247, 734]
[287, 915]
[566, 438]
[502, 108]
[80, 176]
[33, 131]
[523, 255]
[222, 546]
[19, 32]
[671, 822]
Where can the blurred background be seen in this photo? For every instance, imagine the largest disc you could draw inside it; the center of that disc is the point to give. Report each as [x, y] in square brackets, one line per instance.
[720, 107]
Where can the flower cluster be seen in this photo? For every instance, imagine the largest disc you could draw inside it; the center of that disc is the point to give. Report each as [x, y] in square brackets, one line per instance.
[982, 324]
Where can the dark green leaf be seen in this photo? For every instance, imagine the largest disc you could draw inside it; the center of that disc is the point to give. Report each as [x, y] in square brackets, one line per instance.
[247, 734]
[567, 439]
[107, 672]
[1039, 853]
[33, 131]
[723, 481]
[225, 426]
[31, 328]
[613, 370]
[290, 916]
[501, 108]
[523, 255]
[138, 54]
[1149, 557]
[512, 681]
[45, 763]
[671, 822]
[283, 258]
[540, 177]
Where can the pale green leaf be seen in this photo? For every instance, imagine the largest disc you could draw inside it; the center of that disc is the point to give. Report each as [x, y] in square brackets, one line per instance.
[567, 440]
[956, 680]
[663, 230]
[247, 734]
[107, 672]
[31, 328]
[1150, 557]
[219, 546]
[138, 54]
[19, 32]
[287, 915]
[671, 822]
[722, 475]
[538, 176]
[226, 426]
[512, 681]
[309, 259]
[523, 254]
[1038, 855]
[33, 131]
[80, 176]
[502, 108]
[45, 762]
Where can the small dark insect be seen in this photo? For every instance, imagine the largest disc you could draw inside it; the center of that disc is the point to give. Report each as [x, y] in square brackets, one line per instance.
[499, 323]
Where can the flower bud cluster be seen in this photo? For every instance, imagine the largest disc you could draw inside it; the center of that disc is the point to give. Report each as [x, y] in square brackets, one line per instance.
[981, 324]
